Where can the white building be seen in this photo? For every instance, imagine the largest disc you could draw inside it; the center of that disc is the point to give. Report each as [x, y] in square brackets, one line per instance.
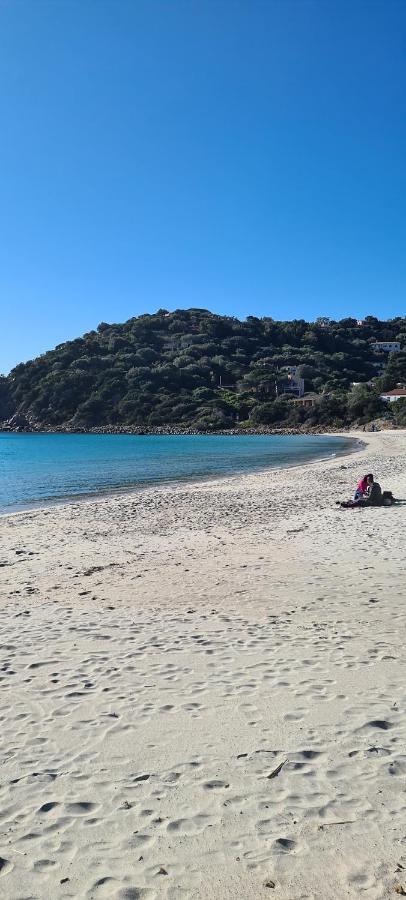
[392, 396]
[387, 346]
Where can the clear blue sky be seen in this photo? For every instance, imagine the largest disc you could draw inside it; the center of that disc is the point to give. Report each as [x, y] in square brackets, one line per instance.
[248, 156]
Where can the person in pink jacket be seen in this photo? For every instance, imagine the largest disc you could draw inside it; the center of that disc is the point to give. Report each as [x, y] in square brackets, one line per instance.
[361, 488]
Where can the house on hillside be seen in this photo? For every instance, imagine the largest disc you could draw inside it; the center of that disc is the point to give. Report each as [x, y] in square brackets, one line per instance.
[387, 346]
[291, 386]
[396, 394]
[307, 400]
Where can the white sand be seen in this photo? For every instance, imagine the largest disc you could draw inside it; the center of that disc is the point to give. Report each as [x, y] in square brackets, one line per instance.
[163, 652]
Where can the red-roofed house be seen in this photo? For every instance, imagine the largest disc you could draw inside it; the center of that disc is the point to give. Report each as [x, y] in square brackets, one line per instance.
[396, 394]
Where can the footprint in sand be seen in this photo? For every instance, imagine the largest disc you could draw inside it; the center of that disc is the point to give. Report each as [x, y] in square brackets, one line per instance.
[190, 826]
[135, 893]
[43, 865]
[81, 808]
[5, 866]
[47, 807]
[139, 840]
[382, 724]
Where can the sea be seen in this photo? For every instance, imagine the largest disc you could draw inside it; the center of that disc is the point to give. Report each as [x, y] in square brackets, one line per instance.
[39, 469]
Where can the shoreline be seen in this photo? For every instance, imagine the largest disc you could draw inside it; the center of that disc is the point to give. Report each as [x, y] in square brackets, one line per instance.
[203, 689]
[355, 442]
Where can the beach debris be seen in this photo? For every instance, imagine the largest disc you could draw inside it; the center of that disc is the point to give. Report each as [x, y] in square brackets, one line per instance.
[270, 883]
[275, 772]
[285, 844]
[64, 880]
[162, 871]
[343, 822]
[400, 890]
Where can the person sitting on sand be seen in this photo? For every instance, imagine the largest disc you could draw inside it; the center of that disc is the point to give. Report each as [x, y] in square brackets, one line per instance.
[373, 494]
[361, 488]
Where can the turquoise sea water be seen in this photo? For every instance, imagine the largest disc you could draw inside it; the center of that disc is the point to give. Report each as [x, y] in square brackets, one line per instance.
[38, 468]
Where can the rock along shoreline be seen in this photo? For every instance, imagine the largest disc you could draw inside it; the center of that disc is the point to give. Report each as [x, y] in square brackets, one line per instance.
[170, 430]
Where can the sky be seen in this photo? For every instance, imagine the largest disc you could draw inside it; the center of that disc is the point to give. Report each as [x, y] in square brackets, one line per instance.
[245, 156]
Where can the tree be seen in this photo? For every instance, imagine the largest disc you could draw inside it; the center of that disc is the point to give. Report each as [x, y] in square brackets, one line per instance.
[270, 413]
[7, 405]
[364, 403]
[398, 410]
[90, 413]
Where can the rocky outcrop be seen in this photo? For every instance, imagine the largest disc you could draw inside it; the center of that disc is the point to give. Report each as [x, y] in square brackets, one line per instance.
[17, 422]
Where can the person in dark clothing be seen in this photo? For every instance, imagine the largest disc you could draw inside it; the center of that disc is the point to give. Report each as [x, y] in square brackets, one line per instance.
[373, 494]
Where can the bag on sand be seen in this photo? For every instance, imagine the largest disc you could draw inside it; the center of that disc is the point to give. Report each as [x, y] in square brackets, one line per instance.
[387, 498]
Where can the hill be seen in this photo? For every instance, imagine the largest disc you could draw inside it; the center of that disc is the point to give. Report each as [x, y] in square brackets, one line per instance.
[192, 368]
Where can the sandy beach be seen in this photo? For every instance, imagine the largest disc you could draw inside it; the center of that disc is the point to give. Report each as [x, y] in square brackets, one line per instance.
[203, 690]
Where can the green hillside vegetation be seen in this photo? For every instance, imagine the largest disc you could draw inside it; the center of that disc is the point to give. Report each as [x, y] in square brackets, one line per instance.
[191, 368]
